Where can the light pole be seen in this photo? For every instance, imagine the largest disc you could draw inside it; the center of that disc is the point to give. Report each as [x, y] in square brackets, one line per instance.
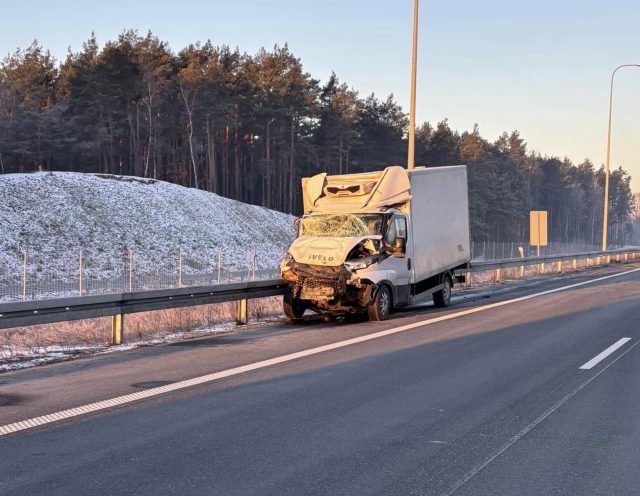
[605, 218]
[412, 108]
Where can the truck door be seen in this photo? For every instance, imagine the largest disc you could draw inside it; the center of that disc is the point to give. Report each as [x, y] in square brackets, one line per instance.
[397, 265]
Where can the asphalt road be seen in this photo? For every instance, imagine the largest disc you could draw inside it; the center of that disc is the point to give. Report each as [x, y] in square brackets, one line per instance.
[488, 402]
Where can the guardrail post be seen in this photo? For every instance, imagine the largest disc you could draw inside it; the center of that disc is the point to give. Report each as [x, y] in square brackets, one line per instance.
[497, 275]
[117, 329]
[467, 280]
[24, 275]
[541, 268]
[559, 266]
[241, 317]
[608, 259]
[574, 263]
[626, 257]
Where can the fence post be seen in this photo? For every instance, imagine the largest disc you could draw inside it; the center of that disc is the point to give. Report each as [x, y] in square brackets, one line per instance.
[254, 263]
[180, 268]
[117, 329]
[24, 275]
[130, 271]
[80, 288]
[219, 264]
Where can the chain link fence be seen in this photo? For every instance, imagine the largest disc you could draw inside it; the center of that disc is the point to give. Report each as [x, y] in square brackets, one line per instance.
[84, 274]
[486, 251]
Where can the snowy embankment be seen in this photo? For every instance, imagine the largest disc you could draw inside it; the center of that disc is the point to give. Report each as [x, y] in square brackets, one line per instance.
[52, 217]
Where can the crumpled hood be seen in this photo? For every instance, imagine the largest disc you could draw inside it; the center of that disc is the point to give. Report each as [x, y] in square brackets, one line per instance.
[324, 250]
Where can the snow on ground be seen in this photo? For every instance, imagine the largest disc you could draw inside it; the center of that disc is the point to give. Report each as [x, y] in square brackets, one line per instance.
[54, 216]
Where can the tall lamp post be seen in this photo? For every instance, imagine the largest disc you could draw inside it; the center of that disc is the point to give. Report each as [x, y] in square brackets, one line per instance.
[605, 220]
[412, 108]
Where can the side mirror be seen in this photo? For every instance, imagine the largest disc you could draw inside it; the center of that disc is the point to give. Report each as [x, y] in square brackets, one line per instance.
[399, 247]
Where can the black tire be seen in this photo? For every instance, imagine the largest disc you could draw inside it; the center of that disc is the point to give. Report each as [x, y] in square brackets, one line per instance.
[382, 304]
[293, 307]
[442, 298]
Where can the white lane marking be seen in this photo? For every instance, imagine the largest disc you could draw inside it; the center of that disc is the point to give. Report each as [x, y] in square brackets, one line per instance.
[474, 471]
[149, 393]
[598, 358]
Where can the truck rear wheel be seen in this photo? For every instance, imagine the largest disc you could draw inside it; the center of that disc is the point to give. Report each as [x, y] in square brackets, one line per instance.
[381, 306]
[442, 298]
[292, 306]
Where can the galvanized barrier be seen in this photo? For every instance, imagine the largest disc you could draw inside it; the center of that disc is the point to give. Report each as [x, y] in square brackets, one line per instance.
[18, 314]
[25, 313]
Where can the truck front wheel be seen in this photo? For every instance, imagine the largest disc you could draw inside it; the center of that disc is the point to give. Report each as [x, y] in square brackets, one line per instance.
[381, 305]
[442, 298]
[292, 306]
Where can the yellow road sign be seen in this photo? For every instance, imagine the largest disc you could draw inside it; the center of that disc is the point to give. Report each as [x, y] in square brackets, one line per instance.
[538, 228]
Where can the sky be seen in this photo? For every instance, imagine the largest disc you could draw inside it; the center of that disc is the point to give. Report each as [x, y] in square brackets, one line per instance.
[540, 67]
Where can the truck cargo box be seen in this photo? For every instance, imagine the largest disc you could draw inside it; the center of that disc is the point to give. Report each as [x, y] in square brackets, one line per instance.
[439, 211]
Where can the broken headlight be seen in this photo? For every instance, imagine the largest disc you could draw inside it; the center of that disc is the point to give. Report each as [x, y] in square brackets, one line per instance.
[284, 263]
[359, 264]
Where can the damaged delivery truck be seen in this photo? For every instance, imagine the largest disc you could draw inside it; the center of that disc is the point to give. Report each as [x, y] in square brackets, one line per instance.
[370, 242]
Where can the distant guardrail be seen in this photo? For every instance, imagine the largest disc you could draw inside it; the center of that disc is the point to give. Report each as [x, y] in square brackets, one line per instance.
[36, 312]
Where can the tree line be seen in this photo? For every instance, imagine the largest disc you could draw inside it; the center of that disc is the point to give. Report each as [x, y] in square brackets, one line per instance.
[249, 126]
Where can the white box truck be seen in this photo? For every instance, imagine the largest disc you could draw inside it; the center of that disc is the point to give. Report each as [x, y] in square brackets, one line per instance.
[370, 242]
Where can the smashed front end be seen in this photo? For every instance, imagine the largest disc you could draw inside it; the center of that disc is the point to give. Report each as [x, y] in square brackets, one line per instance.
[333, 288]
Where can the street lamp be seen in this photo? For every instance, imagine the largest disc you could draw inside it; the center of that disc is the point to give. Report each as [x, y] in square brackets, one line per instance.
[606, 172]
[412, 107]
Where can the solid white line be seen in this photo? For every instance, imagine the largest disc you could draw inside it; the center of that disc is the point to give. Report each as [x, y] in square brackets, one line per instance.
[149, 393]
[598, 358]
[474, 471]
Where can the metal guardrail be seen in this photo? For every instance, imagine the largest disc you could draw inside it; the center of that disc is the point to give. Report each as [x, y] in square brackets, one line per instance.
[18, 314]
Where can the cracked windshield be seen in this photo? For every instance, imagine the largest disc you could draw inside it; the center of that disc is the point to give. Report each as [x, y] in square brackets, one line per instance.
[341, 225]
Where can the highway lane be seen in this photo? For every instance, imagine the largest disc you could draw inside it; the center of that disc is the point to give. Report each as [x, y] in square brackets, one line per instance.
[32, 392]
[415, 412]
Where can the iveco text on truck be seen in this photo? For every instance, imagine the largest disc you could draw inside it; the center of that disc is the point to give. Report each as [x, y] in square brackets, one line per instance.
[370, 242]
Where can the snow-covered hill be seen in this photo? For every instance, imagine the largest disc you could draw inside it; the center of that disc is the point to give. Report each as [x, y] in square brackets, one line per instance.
[54, 216]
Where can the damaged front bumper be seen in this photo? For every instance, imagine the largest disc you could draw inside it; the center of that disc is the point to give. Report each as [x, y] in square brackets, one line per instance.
[327, 288]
